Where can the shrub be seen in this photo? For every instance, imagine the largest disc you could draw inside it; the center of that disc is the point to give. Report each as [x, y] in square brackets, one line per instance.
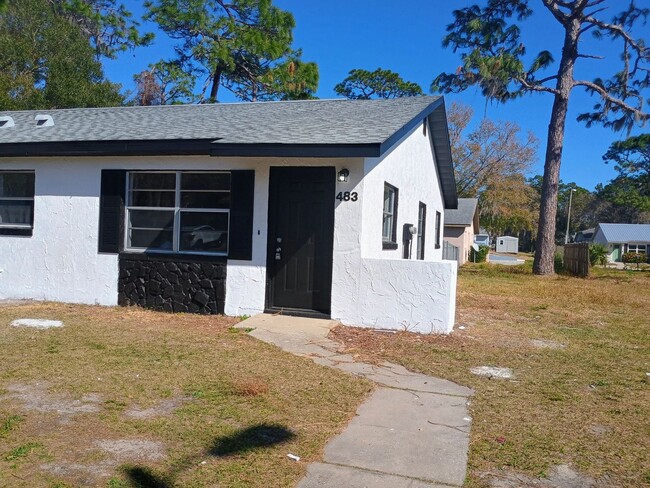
[598, 254]
[632, 258]
[479, 256]
[558, 263]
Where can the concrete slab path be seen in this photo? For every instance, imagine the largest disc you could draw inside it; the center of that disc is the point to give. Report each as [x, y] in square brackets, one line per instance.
[413, 431]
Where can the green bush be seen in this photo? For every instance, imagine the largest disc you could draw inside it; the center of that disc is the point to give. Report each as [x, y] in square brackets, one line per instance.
[632, 258]
[558, 263]
[598, 254]
[479, 256]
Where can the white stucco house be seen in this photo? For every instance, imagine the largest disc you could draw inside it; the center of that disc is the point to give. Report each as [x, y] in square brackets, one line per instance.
[320, 208]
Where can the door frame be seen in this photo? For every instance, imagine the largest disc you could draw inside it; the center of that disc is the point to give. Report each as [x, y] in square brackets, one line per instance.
[269, 307]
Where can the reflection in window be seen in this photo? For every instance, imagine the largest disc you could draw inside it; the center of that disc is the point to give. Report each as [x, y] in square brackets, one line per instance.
[178, 211]
[17, 199]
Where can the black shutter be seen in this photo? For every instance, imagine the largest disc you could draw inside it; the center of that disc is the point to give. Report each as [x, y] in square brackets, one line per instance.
[242, 196]
[111, 211]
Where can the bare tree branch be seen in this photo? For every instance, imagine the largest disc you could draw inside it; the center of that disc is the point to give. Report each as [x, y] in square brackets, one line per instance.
[590, 56]
[536, 87]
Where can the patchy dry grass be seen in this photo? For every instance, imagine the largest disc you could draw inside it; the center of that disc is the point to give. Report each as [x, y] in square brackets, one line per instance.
[586, 404]
[126, 397]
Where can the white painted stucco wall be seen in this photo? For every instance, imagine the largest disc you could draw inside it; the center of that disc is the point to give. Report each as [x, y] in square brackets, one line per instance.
[375, 287]
[410, 167]
[60, 261]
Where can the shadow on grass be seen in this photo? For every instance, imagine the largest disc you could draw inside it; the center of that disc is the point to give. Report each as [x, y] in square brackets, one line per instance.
[254, 437]
[244, 440]
[142, 477]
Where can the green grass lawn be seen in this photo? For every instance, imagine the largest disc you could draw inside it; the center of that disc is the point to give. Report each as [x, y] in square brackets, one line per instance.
[125, 397]
[586, 404]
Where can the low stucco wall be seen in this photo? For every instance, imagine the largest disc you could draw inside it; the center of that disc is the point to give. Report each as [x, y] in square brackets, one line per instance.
[417, 296]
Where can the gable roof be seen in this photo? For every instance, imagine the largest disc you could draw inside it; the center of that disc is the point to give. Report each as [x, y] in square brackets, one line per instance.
[625, 232]
[309, 128]
[464, 214]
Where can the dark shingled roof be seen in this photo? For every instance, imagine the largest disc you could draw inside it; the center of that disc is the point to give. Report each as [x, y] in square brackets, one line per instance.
[312, 128]
[464, 214]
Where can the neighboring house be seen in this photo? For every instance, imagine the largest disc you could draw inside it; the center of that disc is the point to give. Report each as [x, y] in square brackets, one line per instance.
[461, 225]
[623, 238]
[507, 244]
[305, 207]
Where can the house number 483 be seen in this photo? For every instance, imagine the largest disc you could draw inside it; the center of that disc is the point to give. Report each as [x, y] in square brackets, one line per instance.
[346, 196]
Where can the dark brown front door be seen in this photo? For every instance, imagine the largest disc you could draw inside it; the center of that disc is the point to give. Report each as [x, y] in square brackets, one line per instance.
[300, 239]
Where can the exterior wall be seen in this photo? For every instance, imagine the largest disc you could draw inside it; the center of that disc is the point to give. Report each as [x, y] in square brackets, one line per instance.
[409, 167]
[462, 238]
[60, 261]
[173, 283]
[507, 244]
[376, 287]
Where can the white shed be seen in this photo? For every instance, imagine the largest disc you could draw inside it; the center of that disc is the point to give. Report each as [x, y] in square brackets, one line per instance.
[507, 244]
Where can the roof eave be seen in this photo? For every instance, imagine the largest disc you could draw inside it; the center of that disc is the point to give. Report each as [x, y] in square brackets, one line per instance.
[187, 147]
[436, 119]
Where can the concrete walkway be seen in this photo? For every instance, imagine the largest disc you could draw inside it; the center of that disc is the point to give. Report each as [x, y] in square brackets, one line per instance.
[413, 431]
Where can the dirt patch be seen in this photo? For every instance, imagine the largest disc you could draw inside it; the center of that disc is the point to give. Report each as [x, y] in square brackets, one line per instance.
[544, 344]
[122, 450]
[114, 453]
[162, 408]
[35, 397]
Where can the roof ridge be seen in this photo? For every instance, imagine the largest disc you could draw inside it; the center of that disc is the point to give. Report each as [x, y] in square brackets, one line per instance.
[218, 104]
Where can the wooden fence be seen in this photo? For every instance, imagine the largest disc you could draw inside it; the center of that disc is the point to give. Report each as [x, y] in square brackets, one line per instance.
[576, 259]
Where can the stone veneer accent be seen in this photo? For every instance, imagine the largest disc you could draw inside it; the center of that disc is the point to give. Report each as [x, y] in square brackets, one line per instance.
[173, 283]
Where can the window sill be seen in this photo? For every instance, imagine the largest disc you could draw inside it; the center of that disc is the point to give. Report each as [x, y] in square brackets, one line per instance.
[172, 256]
[16, 231]
[388, 246]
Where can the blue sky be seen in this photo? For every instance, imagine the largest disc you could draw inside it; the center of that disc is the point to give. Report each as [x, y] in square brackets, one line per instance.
[407, 37]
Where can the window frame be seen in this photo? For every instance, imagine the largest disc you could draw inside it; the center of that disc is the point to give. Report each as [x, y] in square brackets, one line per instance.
[14, 229]
[391, 242]
[637, 248]
[422, 226]
[178, 211]
[438, 225]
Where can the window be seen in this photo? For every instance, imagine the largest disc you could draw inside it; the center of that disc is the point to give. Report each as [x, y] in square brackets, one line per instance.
[16, 202]
[637, 248]
[389, 227]
[438, 218]
[178, 211]
[422, 224]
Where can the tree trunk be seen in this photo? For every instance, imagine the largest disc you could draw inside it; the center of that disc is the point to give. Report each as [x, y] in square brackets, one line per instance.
[545, 245]
[216, 81]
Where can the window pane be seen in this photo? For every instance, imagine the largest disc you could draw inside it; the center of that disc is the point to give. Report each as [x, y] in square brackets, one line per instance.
[153, 181]
[387, 231]
[192, 199]
[16, 212]
[204, 231]
[152, 198]
[161, 240]
[389, 196]
[16, 185]
[205, 181]
[151, 219]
